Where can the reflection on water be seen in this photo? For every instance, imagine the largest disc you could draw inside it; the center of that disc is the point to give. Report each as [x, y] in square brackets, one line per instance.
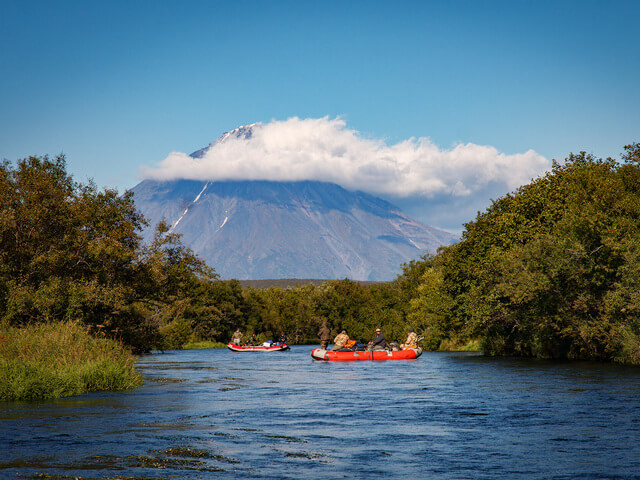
[220, 414]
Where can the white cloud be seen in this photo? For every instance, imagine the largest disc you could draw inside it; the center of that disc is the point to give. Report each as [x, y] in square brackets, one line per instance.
[325, 149]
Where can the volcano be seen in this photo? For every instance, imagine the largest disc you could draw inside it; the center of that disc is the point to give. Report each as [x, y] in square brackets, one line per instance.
[305, 229]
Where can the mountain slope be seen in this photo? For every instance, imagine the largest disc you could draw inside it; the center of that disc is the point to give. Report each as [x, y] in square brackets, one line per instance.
[262, 229]
[265, 229]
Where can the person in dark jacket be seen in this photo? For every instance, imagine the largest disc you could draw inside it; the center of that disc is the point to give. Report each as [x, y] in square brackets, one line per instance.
[325, 335]
[378, 342]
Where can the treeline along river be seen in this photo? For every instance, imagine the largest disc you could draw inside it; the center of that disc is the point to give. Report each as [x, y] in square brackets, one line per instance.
[219, 414]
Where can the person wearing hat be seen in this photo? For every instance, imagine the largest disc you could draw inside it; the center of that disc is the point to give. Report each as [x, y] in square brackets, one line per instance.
[237, 337]
[341, 339]
[378, 342]
[411, 341]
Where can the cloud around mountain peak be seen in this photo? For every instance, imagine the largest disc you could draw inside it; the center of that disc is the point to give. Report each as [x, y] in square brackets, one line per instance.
[324, 149]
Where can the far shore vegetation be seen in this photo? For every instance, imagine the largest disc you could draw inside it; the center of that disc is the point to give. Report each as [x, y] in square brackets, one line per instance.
[203, 344]
[551, 270]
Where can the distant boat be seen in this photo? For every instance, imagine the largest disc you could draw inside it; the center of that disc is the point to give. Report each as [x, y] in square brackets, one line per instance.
[265, 347]
[377, 355]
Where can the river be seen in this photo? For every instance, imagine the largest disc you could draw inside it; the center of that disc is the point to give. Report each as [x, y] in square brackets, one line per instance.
[219, 414]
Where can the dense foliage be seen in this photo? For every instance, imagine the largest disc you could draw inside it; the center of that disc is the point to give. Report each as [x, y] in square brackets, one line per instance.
[69, 252]
[551, 270]
[344, 304]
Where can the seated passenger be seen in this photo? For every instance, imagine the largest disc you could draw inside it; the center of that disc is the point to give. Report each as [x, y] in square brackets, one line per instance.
[378, 342]
[411, 341]
[339, 342]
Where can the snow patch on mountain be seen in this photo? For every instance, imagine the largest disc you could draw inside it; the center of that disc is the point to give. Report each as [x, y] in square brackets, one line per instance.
[288, 229]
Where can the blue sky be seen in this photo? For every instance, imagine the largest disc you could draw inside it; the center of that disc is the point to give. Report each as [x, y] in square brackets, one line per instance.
[118, 85]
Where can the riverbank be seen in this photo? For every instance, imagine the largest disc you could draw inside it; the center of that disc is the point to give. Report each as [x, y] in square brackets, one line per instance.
[474, 345]
[203, 344]
[60, 360]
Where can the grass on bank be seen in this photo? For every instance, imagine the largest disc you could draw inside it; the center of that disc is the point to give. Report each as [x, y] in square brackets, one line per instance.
[203, 344]
[455, 345]
[60, 360]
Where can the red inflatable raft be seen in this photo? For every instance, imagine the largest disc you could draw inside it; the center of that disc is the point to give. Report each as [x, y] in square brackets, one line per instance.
[276, 347]
[330, 356]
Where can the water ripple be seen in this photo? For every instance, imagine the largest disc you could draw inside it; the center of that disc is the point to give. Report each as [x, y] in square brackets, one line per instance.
[282, 415]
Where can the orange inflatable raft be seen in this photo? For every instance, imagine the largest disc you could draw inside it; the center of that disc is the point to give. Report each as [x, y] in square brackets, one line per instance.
[331, 356]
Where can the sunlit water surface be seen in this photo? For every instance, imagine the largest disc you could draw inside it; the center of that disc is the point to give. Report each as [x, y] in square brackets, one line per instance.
[219, 414]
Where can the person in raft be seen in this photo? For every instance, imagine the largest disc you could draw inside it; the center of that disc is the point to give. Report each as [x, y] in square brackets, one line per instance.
[340, 341]
[237, 337]
[378, 342]
[324, 334]
[411, 341]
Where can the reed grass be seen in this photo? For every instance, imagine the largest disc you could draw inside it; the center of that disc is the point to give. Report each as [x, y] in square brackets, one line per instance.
[61, 359]
[203, 344]
[455, 345]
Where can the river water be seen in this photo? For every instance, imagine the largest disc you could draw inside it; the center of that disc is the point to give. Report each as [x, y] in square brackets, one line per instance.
[219, 414]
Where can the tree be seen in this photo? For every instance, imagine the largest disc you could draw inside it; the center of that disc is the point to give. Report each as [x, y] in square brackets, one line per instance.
[71, 252]
[551, 269]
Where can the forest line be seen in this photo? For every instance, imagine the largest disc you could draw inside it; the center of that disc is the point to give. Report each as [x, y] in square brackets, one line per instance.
[550, 270]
